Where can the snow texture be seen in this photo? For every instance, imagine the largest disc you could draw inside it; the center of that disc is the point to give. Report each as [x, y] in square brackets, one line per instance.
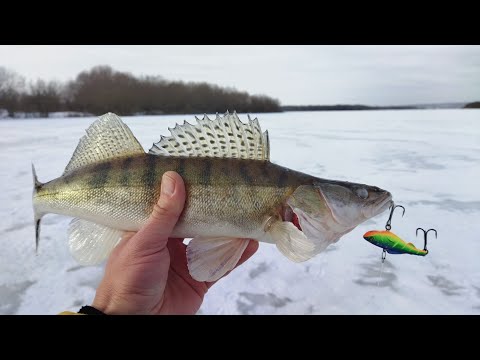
[428, 159]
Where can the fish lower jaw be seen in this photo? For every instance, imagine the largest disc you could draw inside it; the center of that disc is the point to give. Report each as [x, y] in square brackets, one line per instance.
[384, 205]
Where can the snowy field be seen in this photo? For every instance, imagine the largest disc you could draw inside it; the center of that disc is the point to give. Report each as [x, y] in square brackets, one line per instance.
[428, 159]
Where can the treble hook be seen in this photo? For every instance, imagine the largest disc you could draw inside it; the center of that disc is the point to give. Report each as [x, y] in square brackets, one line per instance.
[425, 235]
[388, 226]
[384, 255]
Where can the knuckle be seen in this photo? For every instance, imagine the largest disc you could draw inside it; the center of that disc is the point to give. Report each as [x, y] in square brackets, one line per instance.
[163, 212]
[160, 210]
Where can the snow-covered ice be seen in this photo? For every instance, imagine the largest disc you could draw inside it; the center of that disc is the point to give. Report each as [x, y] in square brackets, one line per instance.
[428, 159]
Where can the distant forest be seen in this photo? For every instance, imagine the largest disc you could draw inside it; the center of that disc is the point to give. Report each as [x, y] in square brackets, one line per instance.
[344, 107]
[474, 105]
[103, 89]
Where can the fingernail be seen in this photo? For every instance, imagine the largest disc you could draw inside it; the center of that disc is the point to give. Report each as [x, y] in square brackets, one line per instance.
[168, 185]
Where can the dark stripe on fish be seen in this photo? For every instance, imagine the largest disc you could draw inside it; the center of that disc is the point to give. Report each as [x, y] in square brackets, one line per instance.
[126, 174]
[100, 174]
[149, 177]
[206, 173]
[225, 170]
[244, 173]
[265, 171]
[282, 179]
[181, 166]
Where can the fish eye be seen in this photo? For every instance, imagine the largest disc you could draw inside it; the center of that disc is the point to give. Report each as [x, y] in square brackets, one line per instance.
[362, 193]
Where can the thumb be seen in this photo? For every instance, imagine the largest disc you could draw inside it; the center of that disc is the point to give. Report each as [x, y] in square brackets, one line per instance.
[154, 235]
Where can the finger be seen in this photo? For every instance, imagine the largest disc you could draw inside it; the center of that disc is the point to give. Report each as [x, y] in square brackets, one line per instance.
[178, 258]
[127, 235]
[178, 243]
[154, 235]
[118, 249]
[178, 264]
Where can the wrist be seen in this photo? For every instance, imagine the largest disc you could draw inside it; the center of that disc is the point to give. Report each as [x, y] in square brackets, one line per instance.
[105, 305]
[109, 304]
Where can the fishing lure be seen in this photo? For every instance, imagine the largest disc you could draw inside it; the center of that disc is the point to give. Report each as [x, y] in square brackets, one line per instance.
[391, 243]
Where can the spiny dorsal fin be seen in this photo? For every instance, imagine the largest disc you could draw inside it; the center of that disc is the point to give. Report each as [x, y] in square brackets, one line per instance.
[225, 136]
[108, 137]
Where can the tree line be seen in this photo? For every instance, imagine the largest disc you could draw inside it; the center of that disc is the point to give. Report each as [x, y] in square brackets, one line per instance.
[473, 105]
[103, 89]
[344, 107]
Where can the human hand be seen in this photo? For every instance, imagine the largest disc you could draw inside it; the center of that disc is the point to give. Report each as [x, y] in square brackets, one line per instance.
[147, 271]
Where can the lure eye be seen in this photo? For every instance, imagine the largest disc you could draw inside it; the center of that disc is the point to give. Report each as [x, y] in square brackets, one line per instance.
[362, 193]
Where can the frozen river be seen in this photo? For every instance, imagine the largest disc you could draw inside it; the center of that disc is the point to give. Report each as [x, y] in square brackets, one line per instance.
[428, 159]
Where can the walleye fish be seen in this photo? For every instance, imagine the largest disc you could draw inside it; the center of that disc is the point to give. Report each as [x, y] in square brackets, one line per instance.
[233, 191]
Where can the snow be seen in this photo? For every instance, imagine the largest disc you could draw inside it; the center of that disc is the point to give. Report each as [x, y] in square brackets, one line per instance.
[428, 159]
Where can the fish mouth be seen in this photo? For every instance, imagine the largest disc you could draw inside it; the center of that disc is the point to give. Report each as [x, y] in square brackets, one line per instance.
[388, 202]
[385, 202]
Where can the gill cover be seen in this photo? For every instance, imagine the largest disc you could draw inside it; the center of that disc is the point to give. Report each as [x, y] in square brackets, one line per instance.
[316, 218]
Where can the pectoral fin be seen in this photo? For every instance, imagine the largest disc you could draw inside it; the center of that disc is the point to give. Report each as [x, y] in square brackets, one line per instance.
[91, 243]
[291, 241]
[209, 259]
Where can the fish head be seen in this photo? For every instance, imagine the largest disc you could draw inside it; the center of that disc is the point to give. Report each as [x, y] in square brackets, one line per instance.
[325, 211]
[351, 204]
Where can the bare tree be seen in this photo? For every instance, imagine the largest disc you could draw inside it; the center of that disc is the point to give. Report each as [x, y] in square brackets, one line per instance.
[44, 97]
[11, 87]
[102, 89]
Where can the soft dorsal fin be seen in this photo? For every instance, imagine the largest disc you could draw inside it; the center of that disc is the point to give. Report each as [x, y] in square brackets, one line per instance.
[107, 137]
[225, 136]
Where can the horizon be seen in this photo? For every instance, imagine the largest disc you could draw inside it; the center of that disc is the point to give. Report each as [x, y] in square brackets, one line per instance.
[295, 75]
[387, 105]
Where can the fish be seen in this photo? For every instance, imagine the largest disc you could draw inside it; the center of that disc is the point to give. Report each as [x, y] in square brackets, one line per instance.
[392, 244]
[233, 193]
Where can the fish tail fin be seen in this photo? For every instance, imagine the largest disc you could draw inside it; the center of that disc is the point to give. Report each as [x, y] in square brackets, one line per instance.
[37, 185]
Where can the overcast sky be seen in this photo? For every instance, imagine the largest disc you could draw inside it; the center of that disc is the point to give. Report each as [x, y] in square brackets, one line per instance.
[372, 75]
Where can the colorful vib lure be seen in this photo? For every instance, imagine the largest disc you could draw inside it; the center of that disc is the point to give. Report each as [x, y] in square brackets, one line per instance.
[391, 243]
